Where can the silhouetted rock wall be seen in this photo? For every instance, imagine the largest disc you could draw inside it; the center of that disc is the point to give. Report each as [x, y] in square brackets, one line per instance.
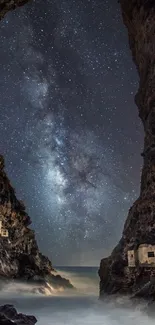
[115, 276]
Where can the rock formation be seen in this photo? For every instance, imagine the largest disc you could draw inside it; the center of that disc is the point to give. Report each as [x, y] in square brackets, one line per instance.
[7, 5]
[9, 315]
[20, 257]
[115, 276]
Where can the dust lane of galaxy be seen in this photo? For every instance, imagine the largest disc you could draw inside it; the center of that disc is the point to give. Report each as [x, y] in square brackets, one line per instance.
[69, 128]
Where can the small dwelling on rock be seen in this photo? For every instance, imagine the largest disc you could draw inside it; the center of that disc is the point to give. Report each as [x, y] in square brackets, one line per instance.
[3, 231]
[132, 258]
[144, 256]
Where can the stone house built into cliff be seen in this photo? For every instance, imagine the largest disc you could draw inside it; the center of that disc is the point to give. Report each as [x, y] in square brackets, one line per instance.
[131, 258]
[3, 231]
[144, 256]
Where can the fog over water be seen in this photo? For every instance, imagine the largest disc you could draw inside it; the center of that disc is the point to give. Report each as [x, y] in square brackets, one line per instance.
[81, 307]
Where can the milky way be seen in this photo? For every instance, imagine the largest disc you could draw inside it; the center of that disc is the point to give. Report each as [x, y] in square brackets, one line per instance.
[70, 131]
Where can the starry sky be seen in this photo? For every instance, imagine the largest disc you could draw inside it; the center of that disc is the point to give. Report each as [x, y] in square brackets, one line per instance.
[69, 128]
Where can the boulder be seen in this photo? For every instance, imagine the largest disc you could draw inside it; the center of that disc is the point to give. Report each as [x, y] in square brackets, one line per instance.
[9, 316]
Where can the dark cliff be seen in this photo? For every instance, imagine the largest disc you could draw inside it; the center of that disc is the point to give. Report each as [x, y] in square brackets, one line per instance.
[139, 228]
[7, 5]
[20, 257]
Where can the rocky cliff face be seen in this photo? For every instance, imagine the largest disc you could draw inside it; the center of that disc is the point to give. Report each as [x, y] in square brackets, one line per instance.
[20, 257]
[115, 276]
[7, 5]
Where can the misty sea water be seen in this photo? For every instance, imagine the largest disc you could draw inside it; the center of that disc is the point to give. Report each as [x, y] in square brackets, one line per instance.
[80, 308]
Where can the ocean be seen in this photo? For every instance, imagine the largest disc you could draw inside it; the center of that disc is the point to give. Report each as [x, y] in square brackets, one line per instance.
[79, 308]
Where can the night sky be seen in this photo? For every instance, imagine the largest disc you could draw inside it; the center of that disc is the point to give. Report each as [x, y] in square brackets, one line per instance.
[69, 128]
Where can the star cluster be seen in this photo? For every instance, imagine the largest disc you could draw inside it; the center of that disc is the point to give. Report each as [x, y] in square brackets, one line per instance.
[69, 128]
